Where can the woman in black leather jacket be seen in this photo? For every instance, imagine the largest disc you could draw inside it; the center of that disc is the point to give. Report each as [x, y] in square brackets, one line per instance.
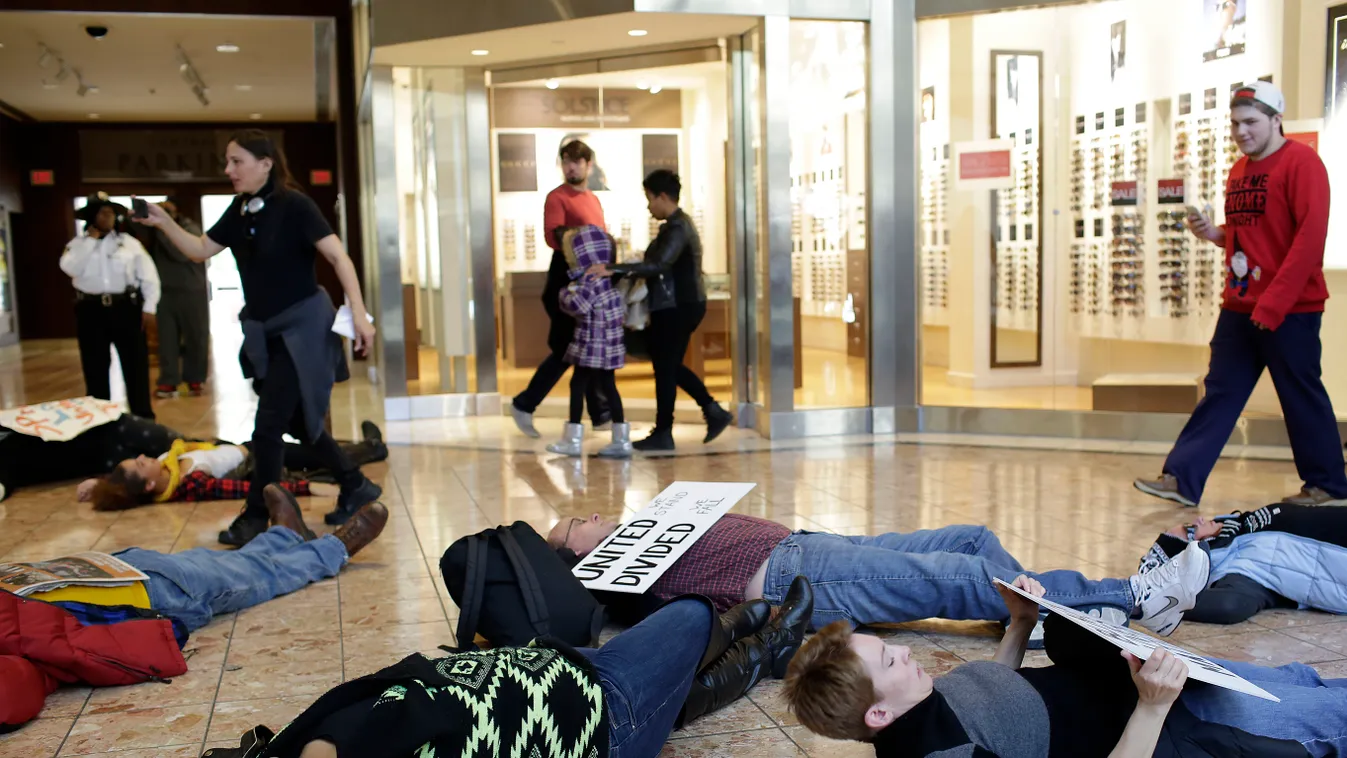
[672, 268]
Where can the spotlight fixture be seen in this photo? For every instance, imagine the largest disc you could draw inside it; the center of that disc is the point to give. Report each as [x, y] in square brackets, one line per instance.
[637, 33]
[255, 116]
[552, 84]
[192, 77]
[83, 89]
[94, 116]
[45, 58]
[481, 52]
[656, 89]
[642, 85]
[63, 73]
[227, 47]
[243, 87]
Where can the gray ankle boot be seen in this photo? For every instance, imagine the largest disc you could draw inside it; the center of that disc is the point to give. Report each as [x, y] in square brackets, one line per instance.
[620, 447]
[572, 442]
[524, 421]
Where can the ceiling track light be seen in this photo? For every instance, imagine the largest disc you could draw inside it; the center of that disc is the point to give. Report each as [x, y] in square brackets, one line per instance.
[191, 77]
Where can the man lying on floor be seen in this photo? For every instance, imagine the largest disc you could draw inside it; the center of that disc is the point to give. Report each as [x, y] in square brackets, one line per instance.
[187, 588]
[621, 700]
[1094, 700]
[943, 573]
[196, 471]
[1279, 556]
[26, 460]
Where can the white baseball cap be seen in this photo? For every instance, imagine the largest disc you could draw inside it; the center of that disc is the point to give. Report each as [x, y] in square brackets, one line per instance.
[1266, 93]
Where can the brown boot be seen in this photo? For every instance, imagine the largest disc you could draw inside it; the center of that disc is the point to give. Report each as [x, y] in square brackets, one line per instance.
[362, 528]
[284, 510]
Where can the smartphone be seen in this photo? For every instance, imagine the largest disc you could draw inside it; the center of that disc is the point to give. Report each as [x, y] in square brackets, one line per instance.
[1193, 211]
[139, 208]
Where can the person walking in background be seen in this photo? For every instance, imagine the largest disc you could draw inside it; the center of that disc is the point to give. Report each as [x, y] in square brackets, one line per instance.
[289, 348]
[117, 293]
[184, 310]
[672, 268]
[1276, 210]
[569, 206]
[597, 349]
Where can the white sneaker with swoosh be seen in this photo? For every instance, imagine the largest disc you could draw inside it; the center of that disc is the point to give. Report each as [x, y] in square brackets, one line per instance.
[1166, 592]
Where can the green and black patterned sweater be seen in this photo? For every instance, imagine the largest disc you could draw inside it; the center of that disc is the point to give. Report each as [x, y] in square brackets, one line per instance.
[542, 701]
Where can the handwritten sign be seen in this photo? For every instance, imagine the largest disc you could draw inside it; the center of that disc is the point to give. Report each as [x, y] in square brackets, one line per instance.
[60, 420]
[638, 553]
[1142, 646]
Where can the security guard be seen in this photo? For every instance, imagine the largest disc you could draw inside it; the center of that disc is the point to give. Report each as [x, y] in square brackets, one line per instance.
[116, 294]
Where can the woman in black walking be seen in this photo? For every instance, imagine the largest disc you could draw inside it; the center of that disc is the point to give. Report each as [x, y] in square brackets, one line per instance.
[289, 349]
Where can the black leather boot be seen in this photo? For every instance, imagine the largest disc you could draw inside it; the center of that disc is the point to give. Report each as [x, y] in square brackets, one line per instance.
[785, 633]
[735, 624]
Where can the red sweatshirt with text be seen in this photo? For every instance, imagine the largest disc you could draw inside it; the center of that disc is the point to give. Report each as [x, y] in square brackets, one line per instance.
[1276, 221]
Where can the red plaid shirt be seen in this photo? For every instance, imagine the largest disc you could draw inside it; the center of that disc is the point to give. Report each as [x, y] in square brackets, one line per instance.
[720, 564]
[199, 485]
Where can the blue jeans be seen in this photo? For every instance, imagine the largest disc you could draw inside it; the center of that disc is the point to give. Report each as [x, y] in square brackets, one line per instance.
[194, 585]
[940, 573]
[646, 673]
[1239, 353]
[1312, 711]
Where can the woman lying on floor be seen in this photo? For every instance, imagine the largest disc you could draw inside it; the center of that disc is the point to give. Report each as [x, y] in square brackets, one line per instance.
[1279, 556]
[547, 699]
[1093, 701]
[195, 471]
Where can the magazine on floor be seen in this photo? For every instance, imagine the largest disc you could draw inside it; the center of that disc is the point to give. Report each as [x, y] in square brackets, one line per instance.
[80, 570]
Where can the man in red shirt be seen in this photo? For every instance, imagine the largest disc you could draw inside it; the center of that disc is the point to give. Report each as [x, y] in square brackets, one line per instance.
[1276, 210]
[569, 206]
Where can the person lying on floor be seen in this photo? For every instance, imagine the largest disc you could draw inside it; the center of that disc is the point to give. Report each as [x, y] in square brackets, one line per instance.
[1279, 556]
[196, 471]
[618, 701]
[187, 589]
[1095, 700]
[943, 573]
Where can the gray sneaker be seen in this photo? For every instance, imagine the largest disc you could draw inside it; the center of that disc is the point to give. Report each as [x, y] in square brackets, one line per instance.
[524, 421]
[1165, 593]
[1313, 496]
[1166, 487]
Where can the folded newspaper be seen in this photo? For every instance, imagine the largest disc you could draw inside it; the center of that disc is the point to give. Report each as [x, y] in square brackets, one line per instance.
[80, 570]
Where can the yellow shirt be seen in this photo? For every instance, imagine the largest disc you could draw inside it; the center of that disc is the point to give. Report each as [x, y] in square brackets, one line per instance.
[133, 594]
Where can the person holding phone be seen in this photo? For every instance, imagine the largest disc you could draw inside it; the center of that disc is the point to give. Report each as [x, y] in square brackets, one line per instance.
[116, 296]
[289, 348]
[1276, 222]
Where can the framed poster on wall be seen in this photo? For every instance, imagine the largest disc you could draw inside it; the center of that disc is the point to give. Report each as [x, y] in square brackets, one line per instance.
[517, 155]
[1223, 22]
[1335, 74]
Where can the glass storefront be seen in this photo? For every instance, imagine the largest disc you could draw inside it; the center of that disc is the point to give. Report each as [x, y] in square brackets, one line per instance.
[1074, 285]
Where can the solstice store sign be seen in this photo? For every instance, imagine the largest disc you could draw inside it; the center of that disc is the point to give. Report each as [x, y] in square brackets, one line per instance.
[540, 108]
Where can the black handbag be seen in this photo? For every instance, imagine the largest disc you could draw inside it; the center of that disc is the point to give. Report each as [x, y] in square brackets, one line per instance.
[512, 587]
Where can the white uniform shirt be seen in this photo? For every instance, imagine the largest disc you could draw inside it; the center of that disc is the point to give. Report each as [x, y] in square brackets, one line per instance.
[111, 266]
[216, 463]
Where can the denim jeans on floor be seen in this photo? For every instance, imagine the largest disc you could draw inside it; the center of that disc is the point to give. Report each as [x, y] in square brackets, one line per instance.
[940, 573]
[646, 673]
[194, 585]
[1312, 711]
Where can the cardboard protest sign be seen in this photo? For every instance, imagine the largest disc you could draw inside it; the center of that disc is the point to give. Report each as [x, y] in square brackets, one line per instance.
[60, 420]
[1142, 646]
[638, 553]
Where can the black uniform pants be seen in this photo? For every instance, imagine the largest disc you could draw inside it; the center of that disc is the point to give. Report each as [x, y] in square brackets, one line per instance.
[278, 412]
[669, 333]
[100, 327]
[184, 337]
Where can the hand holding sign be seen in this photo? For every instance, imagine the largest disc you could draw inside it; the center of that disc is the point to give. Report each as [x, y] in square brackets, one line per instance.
[1143, 646]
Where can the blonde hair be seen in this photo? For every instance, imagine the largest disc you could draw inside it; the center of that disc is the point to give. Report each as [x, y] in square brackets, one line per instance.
[828, 688]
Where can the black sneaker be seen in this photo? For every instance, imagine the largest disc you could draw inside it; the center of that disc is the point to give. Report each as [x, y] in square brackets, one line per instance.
[659, 441]
[350, 502]
[244, 529]
[717, 421]
[374, 437]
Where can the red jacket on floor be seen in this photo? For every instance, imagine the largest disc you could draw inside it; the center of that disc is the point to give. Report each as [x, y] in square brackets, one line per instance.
[43, 646]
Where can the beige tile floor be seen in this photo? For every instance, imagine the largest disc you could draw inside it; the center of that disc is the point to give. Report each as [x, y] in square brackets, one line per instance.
[1072, 508]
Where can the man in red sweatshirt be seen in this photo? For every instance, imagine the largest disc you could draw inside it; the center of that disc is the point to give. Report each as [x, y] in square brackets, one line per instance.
[569, 206]
[1276, 210]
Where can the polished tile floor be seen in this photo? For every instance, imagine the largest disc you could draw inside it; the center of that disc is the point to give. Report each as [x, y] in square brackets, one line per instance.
[1072, 507]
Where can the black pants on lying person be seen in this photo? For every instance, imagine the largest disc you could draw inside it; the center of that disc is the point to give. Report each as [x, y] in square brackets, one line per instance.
[621, 700]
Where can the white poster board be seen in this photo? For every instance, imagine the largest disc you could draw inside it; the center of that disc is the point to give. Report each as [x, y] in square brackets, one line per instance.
[638, 553]
[1142, 646]
[60, 420]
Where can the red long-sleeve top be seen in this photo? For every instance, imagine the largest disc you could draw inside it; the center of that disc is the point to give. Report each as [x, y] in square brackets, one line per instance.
[1276, 213]
[568, 207]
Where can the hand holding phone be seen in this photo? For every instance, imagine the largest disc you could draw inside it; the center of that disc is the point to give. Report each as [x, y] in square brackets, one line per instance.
[139, 208]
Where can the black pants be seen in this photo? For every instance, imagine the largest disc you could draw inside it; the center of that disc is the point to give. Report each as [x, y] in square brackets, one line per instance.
[546, 377]
[278, 412]
[100, 327]
[670, 332]
[184, 337]
[1232, 599]
[586, 380]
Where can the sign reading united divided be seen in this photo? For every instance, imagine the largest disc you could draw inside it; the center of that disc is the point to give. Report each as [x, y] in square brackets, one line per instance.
[638, 553]
[60, 420]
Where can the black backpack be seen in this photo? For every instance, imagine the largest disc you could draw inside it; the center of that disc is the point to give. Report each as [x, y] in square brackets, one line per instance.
[512, 587]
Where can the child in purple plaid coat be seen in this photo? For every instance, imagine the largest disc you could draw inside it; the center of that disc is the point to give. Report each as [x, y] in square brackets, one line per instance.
[598, 348]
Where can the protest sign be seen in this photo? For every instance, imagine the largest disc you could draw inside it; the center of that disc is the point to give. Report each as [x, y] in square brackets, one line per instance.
[60, 420]
[638, 553]
[1142, 646]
